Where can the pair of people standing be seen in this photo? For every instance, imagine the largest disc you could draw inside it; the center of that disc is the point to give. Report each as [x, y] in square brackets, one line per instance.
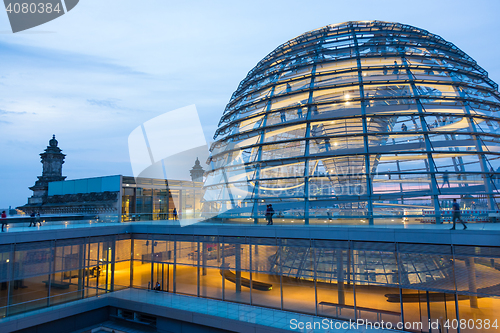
[269, 214]
[35, 218]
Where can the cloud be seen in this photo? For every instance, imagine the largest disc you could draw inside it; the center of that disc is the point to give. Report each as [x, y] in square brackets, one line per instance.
[3, 112]
[103, 103]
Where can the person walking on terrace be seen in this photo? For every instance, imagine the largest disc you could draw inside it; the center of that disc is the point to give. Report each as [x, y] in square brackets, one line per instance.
[4, 219]
[174, 212]
[269, 214]
[32, 219]
[456, 215]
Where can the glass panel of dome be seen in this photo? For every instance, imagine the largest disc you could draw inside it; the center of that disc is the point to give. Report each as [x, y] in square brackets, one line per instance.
[316, 168]
[285, 133]
[238, 156]
[240, 173]
[224, 194]
[345, 94]
[288, 101]
[413, 183]
[212, 193]
[254, 96]
[335, 66]
[394, 185]
[380, 61]
[291, 86]
[286, 115]
[281, 188]
[374, 75]
[338, 54]
[335, 110]
[264, 79]
[335, 79]
[391, 106]
[292, 210]
[239, 191]
[283, 150]
[296, 72]
[377, 90]
[487, 125]
[242, 141]
[283, 171]
[252, 109]
[483, 109]
[336, 127]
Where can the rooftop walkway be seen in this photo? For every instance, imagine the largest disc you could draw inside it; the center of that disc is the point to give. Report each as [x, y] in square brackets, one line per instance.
[484, 234]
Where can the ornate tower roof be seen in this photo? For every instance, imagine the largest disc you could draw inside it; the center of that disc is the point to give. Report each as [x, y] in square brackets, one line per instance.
[197, 171]
[52, 160]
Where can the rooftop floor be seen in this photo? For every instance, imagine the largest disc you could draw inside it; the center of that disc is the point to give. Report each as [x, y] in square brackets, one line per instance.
[485, 234]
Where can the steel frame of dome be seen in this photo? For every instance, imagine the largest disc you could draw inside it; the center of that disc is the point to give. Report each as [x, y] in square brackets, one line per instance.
[358, 120]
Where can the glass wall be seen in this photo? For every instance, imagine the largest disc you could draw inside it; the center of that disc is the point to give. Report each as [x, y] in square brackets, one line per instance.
[405, 283]
[41, 274]
[155, 199]
[436, 285]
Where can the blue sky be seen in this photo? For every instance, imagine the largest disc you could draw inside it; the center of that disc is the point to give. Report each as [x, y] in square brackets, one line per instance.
[96, 73]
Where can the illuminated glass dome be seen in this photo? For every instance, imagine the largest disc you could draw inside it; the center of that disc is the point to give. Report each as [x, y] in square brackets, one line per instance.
[356, 122]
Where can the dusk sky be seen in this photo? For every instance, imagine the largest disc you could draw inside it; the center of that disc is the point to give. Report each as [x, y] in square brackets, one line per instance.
[93, 75]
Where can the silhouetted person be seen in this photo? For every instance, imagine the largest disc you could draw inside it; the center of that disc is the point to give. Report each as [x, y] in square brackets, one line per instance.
[269, 214]
[283, 117]
[446, 179]
[174, 213]
[456, 214]
[396, 68]
[32, 219]
[4, 219]
[314, 110]
[404, 128]
[299, 113]
[38, 219]
[327, 144]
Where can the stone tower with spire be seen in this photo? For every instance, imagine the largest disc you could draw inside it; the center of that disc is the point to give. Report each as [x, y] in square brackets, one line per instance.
[197, 172]
[52, 160]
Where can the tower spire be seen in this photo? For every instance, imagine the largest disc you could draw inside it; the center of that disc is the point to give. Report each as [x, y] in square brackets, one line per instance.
[52, 160]
[197, 171]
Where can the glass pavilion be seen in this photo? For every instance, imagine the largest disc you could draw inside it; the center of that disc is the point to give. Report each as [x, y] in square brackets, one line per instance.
[358, 122]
